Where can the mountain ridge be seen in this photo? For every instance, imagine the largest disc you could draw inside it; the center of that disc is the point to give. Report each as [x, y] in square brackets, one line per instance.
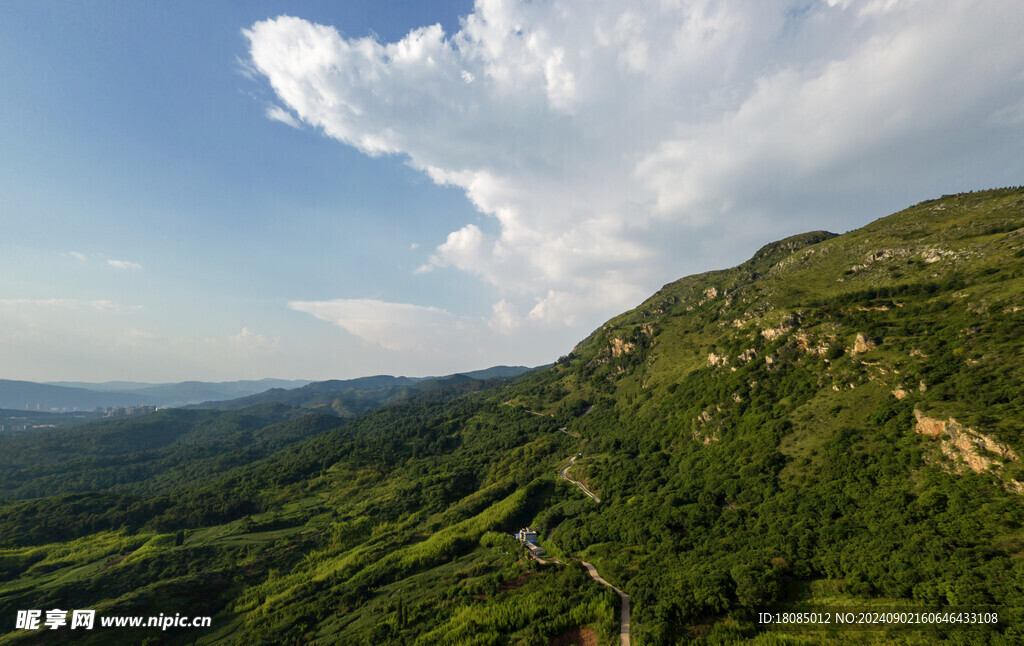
[86, 396]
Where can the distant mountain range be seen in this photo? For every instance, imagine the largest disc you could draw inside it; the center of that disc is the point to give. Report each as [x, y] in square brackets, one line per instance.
[86, 396]
[353, 396]
[28, 395]
[236, 388]
[188, 392]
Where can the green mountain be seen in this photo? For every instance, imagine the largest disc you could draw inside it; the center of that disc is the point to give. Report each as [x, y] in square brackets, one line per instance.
[833, 426]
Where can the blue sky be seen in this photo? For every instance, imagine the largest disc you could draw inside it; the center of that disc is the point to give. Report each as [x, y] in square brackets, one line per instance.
[209, 191]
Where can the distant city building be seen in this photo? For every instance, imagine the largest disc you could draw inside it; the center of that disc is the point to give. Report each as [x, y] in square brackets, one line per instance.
[127, 411]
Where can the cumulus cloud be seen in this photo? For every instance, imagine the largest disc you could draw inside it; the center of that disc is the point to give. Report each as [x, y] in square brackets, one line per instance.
[393, 326]
[614, 147]
[124, 264]
[504, 317]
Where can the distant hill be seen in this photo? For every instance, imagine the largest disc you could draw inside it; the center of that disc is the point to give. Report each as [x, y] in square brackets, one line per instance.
[362, 393]
[186, 392]
[27, 395]
[12, 421]
[498, 372]
[353, 396]
[88, 396]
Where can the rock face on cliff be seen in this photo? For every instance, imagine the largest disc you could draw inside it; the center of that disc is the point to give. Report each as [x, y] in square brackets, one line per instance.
[967, 448]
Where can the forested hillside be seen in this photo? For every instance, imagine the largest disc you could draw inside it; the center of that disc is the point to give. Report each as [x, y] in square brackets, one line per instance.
[836, 423]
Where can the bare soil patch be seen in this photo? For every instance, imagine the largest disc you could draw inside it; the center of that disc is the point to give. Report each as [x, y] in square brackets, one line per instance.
[577, 637]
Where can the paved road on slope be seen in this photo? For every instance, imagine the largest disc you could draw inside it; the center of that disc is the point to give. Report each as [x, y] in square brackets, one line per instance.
[624, 615]
[623, 597]
[565, 474]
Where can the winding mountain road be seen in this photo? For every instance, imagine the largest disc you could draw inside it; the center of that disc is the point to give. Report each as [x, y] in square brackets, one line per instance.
[591, 570]
[565, 474]
[623, 597]
[624, 614]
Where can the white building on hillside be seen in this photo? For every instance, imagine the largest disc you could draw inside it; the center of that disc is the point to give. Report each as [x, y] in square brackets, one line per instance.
[527, 535]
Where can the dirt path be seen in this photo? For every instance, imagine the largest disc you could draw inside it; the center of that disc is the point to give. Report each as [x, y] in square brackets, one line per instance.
[623, 597]
[532, 412]
[566, 430]
[565, 474]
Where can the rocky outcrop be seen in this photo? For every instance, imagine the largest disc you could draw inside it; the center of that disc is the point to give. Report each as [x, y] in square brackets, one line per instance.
[805, 343]
[620, 347]
[863, 344]
[879, 256]
[934, 255]
[787, 324]
[967, 447]
[710, 294]
[717, 359]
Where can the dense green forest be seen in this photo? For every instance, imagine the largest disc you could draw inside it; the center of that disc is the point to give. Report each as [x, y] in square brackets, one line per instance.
[834, 424]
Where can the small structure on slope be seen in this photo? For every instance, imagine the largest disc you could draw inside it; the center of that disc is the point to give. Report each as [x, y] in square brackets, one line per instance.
[528, 537]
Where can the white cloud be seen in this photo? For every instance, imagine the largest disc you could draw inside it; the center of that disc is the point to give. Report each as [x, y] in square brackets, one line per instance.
[614, 148]
[248, 341]
[504, 318]
[277, 113]
[79, 255]
[246, 68]
[124, 264]
[465, 249]
[393, 326]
